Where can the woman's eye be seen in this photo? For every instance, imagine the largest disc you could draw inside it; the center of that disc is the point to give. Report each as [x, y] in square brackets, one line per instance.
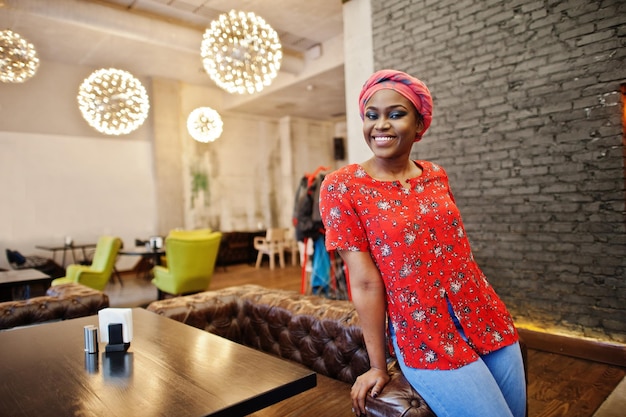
[371, 115]
[397, 114]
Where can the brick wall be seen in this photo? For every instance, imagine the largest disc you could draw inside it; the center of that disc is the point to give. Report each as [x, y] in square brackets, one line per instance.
[527, 123]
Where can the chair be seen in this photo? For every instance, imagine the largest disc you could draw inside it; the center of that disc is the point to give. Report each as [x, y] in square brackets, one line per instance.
[271, 245]
[188, 232]
[190, 263]
[184, 233]
[97, 274]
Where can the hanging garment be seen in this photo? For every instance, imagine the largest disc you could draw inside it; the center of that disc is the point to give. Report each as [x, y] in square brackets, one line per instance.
[320, 276]
[306, 213]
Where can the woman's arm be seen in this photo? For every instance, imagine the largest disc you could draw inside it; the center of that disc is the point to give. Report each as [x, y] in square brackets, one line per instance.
[368, 295]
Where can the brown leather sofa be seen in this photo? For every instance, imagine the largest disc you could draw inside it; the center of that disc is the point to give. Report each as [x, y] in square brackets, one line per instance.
[61, 302]
[321, 334]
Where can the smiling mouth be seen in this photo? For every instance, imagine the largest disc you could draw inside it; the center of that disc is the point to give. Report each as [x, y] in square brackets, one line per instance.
[383, 139]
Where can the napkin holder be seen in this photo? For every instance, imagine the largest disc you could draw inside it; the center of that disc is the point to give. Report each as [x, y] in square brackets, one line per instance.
[116, 328]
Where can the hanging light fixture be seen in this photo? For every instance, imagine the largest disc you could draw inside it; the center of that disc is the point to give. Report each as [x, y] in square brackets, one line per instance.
[241, 52]
[204, 124]
[113, 102]
[18, 58]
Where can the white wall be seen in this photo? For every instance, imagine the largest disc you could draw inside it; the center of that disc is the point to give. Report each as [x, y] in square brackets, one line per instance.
[253, 175]
[56, 186]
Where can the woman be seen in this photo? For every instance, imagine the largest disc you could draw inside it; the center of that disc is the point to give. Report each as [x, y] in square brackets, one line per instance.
[396, 225]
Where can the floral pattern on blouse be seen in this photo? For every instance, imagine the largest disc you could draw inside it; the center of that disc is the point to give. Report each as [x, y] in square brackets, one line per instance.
[417, 240]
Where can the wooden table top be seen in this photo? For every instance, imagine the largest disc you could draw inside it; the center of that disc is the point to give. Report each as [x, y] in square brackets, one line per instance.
[171, 369]
[22, 276]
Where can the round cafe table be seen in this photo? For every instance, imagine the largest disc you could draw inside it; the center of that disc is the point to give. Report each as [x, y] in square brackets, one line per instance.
[153, 254]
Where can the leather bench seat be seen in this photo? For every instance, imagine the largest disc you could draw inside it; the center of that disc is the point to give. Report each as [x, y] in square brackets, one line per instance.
[62, 302]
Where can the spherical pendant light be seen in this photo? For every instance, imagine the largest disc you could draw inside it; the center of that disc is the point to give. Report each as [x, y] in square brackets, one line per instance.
[204, 124]
[18, 58]
[113, 102]
[241, 52]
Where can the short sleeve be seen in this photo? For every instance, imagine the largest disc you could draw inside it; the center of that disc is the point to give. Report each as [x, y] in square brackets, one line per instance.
[342, 225]
[444, 175]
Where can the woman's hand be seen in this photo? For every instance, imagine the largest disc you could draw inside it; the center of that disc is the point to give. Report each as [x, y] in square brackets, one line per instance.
[371, 382]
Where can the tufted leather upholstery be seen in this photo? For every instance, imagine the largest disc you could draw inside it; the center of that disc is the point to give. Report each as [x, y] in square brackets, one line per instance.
[62, 302]
[322, 334]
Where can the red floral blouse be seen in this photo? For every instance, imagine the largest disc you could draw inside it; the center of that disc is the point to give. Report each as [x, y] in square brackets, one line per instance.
[417, 240]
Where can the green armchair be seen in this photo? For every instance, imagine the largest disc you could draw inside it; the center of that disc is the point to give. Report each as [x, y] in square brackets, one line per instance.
[97, 274]
[190, 263]
[189, 232]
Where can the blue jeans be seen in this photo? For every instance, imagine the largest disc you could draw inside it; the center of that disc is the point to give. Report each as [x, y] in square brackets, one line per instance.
[492, 386]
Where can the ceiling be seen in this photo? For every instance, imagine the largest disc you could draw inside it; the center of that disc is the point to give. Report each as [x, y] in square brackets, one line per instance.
[161, 38]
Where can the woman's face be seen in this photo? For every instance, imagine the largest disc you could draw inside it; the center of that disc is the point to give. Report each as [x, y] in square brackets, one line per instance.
[390, 124]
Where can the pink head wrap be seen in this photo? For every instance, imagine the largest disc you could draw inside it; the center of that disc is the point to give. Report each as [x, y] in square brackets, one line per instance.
[411, 88]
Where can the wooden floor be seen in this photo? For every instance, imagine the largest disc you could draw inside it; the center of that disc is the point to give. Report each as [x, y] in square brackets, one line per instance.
[288, 278]
[565, 386]
[558, 386]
